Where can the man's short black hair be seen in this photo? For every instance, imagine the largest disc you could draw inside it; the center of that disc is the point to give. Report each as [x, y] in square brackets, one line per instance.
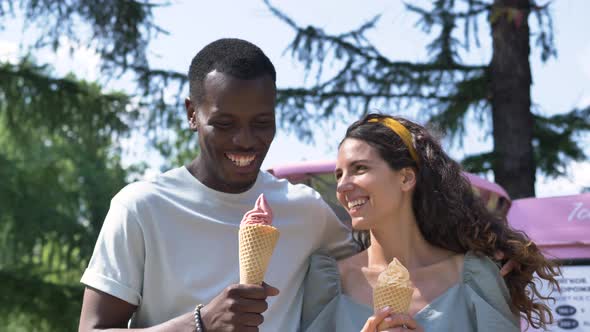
[236, 57]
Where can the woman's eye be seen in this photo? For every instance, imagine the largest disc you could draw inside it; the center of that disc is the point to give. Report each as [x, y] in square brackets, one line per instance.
[361, 168]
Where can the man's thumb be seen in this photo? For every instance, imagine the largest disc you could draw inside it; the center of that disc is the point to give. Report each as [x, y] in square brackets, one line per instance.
[270, 290]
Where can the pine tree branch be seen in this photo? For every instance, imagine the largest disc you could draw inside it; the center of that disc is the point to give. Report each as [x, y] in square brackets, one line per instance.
[367, 52]
[318, 93]
[556, 142]
[479, 163]
[119, 30]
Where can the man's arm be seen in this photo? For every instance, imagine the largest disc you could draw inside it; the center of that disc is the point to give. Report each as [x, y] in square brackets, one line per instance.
[104, 312]
[336, 237]
[238, 307]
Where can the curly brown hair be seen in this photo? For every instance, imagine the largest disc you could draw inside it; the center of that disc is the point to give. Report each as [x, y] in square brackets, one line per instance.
[450, 216]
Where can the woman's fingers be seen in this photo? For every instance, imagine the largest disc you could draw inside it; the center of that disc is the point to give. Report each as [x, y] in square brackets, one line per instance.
[386, 320]
[376, 319]
[397, 322]
[508, 267]
[499, 255]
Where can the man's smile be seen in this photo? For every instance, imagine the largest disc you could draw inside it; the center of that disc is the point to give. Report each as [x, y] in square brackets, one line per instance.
[241, 159]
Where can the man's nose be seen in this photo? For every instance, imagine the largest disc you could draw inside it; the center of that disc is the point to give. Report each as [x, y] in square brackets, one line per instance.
[244, 138]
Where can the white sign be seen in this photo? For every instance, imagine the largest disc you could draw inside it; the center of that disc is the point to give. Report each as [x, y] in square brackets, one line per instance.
[571, 309]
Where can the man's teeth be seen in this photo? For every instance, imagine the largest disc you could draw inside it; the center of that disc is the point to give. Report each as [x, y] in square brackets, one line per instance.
[356, 203]
[241, 161]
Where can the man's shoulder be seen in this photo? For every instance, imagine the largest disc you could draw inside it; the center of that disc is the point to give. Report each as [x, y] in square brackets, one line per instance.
[147, 190]
[293, 192]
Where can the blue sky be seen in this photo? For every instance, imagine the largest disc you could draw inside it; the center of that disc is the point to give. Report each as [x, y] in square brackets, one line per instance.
[559, 85]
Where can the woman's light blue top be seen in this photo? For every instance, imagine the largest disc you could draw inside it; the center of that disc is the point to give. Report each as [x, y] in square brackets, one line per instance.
[478, 302]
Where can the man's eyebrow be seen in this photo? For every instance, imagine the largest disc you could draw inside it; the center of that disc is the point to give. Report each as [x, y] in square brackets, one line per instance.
[216, 115]
[266, 115]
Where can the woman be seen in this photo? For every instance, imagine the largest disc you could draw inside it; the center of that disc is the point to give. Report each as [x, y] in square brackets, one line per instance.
[411, 202]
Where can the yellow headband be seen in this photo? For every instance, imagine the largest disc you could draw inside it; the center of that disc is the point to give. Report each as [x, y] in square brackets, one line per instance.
[402, 132]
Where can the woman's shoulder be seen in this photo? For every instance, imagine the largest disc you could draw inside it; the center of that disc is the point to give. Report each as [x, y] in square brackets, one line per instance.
[325, 268]
[325, 307]
[353, 264]
[479, 270]
[351, 270]
[323, 275]
[487, 289]
[483, 275]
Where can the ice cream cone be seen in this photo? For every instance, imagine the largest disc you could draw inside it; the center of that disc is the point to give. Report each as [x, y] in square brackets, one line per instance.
[393, 289]
[397, 298]
[256, 245]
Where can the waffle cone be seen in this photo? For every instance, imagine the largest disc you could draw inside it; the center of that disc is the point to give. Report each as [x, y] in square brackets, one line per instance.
[256, 245]
[397, 298]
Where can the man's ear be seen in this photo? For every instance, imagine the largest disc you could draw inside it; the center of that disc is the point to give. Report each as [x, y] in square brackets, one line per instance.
[408, 175]
[191, 113]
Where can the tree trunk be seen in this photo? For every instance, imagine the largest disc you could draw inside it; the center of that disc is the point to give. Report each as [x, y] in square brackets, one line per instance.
[510, 72]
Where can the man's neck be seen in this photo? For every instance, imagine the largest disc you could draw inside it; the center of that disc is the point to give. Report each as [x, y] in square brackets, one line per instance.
[207, 178]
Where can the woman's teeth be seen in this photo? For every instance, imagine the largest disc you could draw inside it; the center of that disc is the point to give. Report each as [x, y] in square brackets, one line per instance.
[356, 203]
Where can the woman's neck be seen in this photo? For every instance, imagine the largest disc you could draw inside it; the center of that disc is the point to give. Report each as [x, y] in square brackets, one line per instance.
[403, 240]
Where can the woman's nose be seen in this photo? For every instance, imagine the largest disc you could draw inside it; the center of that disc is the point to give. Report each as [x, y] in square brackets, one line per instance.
[344, 185]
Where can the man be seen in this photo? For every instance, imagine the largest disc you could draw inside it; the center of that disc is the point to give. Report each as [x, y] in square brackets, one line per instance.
[172, 243]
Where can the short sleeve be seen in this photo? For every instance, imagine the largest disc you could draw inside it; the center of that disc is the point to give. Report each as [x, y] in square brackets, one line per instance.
[117, 263]
[489, 298]
[336, 237]
[325, 308]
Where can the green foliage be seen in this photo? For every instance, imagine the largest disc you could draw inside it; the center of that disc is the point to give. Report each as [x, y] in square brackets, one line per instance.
[32, 304]
[468, 94]
[479, 163]
[366, 77]
[60, 166]
[119, 30]
[445, 89]
[555, 143]
[59, 152]
[556, 140]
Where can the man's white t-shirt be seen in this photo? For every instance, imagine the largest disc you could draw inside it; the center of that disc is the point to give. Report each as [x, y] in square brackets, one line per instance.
[171, 243]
